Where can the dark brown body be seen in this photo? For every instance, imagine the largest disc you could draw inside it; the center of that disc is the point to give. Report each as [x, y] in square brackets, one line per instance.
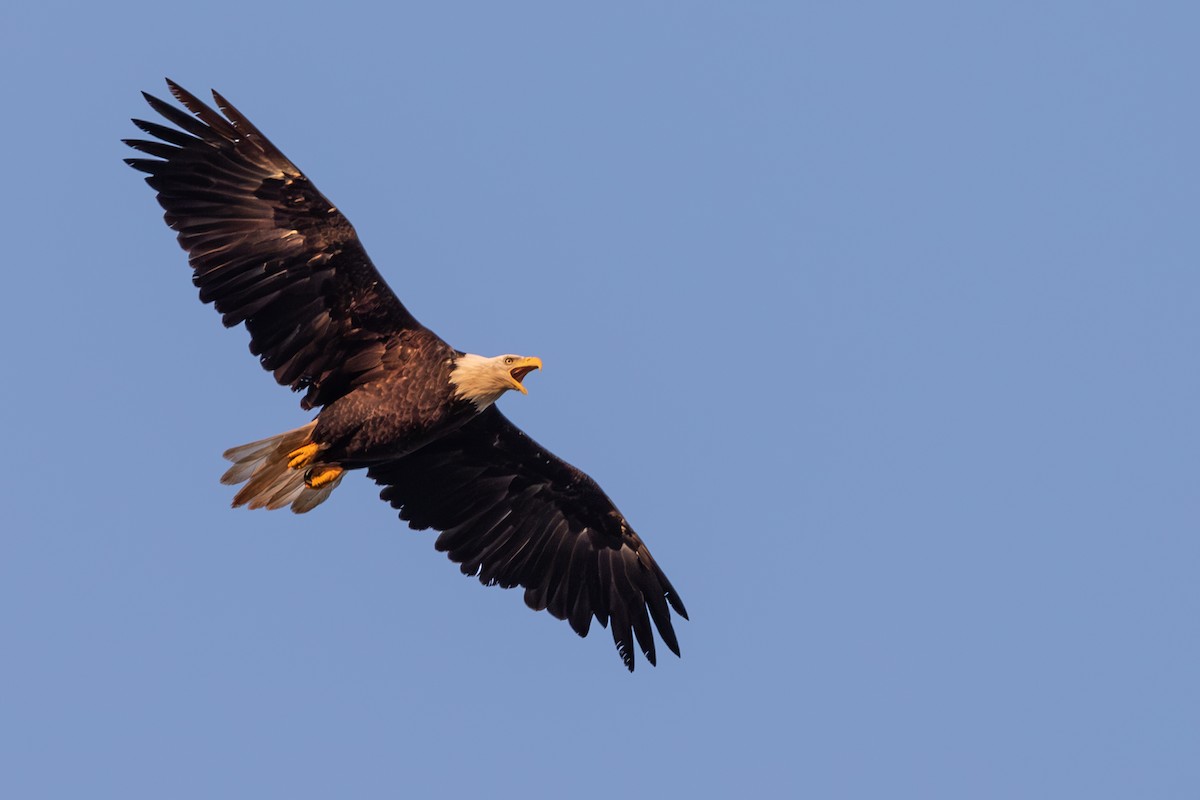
[409, 405]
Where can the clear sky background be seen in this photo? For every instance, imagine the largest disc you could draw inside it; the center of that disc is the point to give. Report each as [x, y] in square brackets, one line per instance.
[878, 320]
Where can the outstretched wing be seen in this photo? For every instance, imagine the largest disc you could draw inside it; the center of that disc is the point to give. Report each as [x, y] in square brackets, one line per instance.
[516, 515]
[268, 249]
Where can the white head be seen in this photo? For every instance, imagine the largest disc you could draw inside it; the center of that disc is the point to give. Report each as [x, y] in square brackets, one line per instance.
[482, 380]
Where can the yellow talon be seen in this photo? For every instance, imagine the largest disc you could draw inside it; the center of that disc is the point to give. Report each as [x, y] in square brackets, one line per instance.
[302, 456]
[317, 477]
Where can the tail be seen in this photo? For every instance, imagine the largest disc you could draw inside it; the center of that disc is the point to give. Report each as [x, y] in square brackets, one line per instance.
[277, 475]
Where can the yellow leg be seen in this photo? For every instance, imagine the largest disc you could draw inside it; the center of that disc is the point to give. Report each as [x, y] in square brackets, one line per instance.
[323, 475]
[302, 456]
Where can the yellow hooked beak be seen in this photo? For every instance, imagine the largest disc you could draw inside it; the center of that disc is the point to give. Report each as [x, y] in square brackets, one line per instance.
[520, 368]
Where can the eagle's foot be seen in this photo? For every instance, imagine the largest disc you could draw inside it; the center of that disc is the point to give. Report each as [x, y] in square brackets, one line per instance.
[302, 456]
[323, 475]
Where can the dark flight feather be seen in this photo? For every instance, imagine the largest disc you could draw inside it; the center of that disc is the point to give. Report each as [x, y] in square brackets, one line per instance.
[269, 250]
[566, 542]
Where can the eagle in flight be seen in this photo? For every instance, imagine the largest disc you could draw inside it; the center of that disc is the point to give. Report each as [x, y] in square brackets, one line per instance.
[270, 252]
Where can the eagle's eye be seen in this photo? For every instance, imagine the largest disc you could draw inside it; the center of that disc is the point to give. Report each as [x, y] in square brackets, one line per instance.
[508, 360]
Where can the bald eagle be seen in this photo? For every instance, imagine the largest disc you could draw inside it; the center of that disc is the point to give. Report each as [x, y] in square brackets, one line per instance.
[270, 252]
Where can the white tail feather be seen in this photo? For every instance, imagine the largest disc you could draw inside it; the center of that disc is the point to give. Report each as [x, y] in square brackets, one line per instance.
[270, 483]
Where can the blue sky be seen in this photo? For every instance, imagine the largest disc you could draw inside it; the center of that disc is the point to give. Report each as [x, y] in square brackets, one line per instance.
[878, 321]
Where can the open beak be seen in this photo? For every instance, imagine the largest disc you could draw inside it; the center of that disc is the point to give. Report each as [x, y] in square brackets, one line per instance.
[522, 368]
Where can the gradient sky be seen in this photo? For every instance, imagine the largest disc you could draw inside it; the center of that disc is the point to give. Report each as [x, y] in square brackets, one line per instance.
[878, 321]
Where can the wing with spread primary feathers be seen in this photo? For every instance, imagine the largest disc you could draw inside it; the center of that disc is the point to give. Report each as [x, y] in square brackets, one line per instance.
[516, 515]
[268, 249]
